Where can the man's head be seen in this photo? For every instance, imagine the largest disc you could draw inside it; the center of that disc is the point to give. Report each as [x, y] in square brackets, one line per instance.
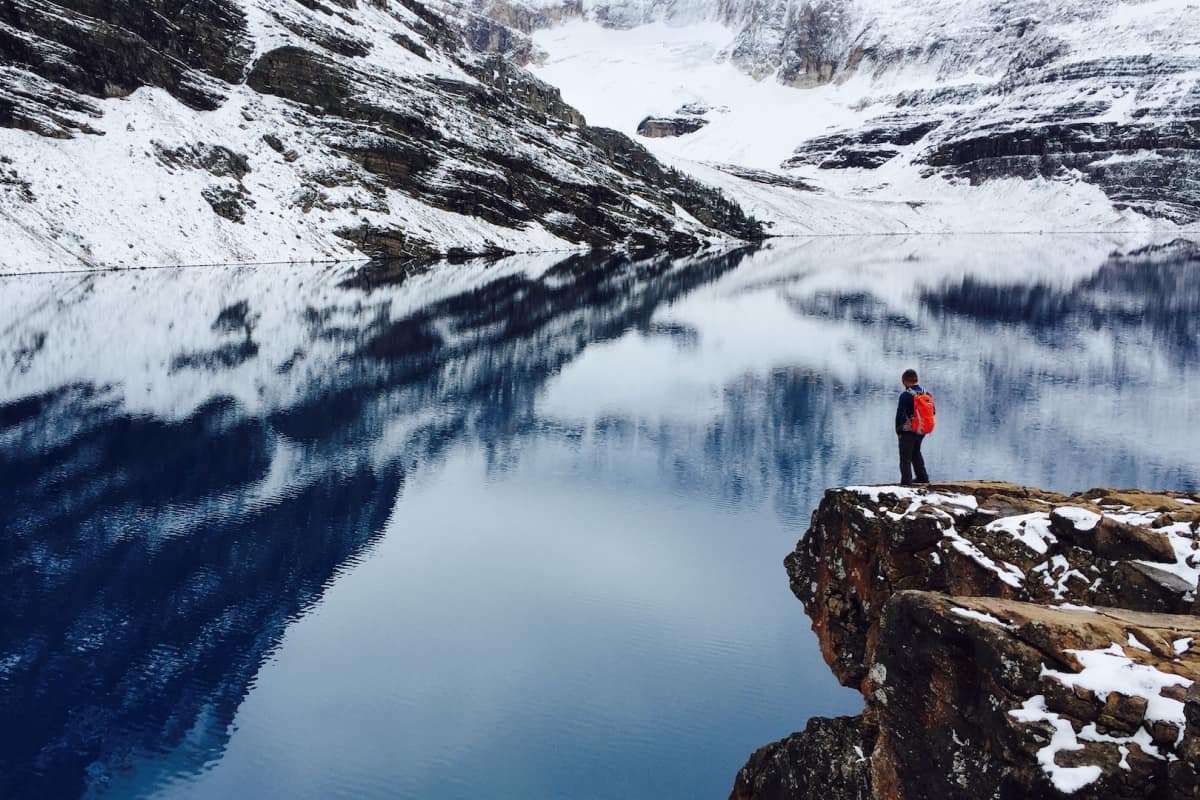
[909, 378]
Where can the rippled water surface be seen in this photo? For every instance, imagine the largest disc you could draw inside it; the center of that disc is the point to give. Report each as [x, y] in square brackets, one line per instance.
[511, 530]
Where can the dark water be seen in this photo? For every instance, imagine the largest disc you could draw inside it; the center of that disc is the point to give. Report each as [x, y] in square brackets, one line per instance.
[511, 530]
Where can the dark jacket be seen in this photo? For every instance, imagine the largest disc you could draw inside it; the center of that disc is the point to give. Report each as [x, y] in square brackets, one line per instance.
[904, 409]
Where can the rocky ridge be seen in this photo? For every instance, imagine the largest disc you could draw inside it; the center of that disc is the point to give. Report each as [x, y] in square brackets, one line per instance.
[1008, 642]
[273, 129]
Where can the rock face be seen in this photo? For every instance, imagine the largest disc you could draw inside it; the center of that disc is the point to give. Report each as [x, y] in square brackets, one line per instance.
[986, 540]
[660, 127]
[1008, 642]
[1029, 90]
[1020, 700]
[785, 769]
[382, 128]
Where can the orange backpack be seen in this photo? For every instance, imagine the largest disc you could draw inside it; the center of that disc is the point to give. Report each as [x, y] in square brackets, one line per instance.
[922, 420]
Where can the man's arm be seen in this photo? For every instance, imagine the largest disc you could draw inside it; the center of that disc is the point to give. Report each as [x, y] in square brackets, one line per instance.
[904, 411]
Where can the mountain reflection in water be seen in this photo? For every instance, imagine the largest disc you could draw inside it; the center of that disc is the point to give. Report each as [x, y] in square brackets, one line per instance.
[189, 461]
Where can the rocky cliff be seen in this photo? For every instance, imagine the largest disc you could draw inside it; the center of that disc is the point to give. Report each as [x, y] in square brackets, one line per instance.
[1008, 643]
[150, 131]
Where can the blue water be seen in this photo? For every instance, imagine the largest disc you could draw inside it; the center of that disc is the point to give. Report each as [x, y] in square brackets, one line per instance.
[511, 530]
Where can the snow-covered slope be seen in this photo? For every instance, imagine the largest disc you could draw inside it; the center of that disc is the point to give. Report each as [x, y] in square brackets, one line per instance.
[939, 114]
[150, 131]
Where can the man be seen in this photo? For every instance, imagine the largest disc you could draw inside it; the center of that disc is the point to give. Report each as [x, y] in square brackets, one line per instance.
[914, 418]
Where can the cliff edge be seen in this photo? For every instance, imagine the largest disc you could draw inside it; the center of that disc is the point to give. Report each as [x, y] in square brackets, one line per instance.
[1008, 643]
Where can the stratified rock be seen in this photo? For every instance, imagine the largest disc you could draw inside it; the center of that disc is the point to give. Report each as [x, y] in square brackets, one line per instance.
[408, 130]
[663, 127]
[766, 178]
[981, 697]
[868, 148]
[1146, 165]
[1048, 90]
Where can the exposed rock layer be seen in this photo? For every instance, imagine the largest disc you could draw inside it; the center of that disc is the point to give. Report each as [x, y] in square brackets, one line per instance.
[659, 127]
[1008, 643]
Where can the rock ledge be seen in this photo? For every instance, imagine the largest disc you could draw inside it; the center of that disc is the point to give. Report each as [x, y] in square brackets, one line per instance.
[1008, 642]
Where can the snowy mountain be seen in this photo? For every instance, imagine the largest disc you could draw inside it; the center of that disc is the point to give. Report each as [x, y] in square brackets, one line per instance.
[144, 132]
[927, 114]
[154, 131]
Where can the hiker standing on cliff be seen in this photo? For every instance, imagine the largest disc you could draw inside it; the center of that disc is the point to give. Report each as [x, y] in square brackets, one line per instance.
[914, 419]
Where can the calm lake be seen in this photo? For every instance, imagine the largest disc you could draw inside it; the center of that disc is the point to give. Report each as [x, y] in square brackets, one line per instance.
[512, 530]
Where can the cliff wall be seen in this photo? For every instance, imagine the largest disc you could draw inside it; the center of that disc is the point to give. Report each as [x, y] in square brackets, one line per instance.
[1008, 643]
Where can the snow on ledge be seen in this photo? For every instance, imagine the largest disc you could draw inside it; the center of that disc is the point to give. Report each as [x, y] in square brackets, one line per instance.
[1066, 779]
[981, 616]
[956, 503]
[1111, 670]
[1081, 518]
[1031, 530]
[1104, 672]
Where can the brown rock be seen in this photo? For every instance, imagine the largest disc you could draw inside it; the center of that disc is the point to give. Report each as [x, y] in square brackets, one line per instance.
[665, 127]
[1164, 734]
[972, 673]
[1076, 703]
[1115, 540]
[858, 552]
[948, 624]
[1191, 707]
[1122, 715]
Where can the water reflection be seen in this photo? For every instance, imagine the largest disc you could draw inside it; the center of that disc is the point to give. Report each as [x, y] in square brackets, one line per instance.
[188, 461]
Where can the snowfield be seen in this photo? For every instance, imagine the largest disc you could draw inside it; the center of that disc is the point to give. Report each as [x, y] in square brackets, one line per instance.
[618, 77]
[110, 200]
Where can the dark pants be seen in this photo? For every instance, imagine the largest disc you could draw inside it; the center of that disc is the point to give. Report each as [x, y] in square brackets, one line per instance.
[911, 458]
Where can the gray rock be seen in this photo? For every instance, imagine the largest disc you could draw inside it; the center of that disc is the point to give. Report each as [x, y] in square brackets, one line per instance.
[664, 127]
[827, 761]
